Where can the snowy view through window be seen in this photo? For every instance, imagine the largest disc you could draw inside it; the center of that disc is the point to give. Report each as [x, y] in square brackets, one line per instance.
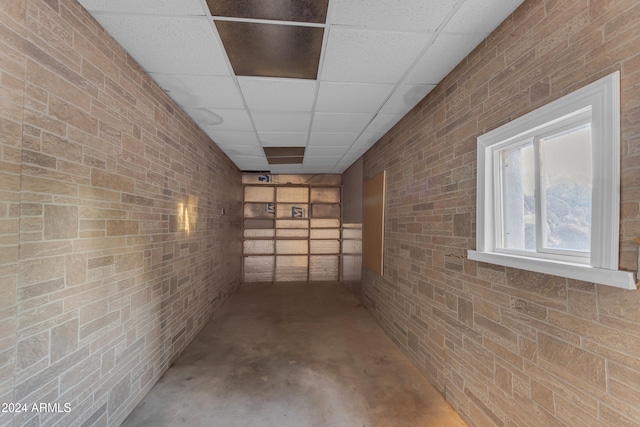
[565, 176]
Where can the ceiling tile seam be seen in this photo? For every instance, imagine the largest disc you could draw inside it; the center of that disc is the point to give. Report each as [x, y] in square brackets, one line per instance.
[268, 21]
[323, 51]
[381, 29]
[450, 15]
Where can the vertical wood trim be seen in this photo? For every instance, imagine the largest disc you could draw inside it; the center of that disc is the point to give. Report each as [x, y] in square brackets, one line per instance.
[373, 223]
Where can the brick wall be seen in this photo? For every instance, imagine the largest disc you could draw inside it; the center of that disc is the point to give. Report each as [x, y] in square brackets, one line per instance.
[113, 250]
[509, 347]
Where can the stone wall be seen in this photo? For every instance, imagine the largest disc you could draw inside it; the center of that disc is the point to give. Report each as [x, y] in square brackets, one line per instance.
[113, 248]
[509, 347]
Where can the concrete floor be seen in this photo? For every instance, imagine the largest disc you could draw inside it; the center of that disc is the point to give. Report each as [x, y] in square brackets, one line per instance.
[293, 354]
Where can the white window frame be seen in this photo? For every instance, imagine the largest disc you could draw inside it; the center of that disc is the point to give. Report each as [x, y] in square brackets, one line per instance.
[600, 100]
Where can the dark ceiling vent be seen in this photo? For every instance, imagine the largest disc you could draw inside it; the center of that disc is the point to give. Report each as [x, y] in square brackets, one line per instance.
[268, 48]
[284, 155]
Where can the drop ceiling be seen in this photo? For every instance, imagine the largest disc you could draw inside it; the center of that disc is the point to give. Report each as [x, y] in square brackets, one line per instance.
[331, 76]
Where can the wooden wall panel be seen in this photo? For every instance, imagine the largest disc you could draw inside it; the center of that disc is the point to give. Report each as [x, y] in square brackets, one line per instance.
[373, 223]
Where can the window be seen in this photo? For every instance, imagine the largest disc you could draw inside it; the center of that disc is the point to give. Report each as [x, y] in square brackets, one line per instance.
[548, 188]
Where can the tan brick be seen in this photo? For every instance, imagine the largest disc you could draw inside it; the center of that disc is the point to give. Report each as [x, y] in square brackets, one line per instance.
[548, 286]
[8, 291]
[98, 324]
[74, 116]
[24, 388]
[64, 340]
[32, 350]
[618, 303]
[41, 270]
[111, 181]
[95, 213]
[543, 396]
[94, 293]
[119, 394]
[43, 249]
[613, 417]
[60, 222]
[49, 186]
[93, 311]
[128, 262]
[55, 84]
[503, 379]
[40, 289]
[582, 304]
[98, 193]
[76, 269]
[572, 360]
[40, 314]
[608, 336]
[121, 227]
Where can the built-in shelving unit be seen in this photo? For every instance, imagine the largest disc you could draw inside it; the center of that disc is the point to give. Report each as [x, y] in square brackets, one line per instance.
[291, 227]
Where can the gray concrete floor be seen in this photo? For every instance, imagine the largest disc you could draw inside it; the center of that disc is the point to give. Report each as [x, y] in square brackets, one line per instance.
[293, 354]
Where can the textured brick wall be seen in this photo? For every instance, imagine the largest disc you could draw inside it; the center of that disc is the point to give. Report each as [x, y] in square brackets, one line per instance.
[113, 252]
[509, 347]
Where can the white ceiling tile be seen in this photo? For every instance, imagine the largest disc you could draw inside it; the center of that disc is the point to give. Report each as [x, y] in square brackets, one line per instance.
[344, 164]
[371, 44]
[340, 168]
[225, 138]
[278, 94]
[357, 151]
[348, 159]
[325, 151]
[481, 16]
[168, 45]
[204, 116]
[409, 15]
[332, 139]
[367, 56]
[340, 122]
[383, 122]
[149, 7]
[368, 139]
[201, 91]
[232, 120]
[250, 162]
[241, 150]
[321, 161]
[405, 98]
[352, 97]
[442, 57]
[281, 122]
[283, 139]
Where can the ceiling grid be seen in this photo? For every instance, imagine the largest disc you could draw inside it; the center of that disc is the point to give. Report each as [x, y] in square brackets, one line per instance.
[243, 73]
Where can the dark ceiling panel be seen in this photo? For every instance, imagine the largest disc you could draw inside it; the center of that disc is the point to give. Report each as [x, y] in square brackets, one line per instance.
[284, 155]
[268, 50]
[285, 160]
[278, 10]
[283, 151]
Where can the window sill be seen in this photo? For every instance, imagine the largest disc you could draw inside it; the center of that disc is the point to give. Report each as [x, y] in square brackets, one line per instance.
[616, 278]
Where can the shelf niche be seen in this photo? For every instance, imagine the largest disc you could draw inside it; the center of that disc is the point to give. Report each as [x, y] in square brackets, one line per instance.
[291, 228]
